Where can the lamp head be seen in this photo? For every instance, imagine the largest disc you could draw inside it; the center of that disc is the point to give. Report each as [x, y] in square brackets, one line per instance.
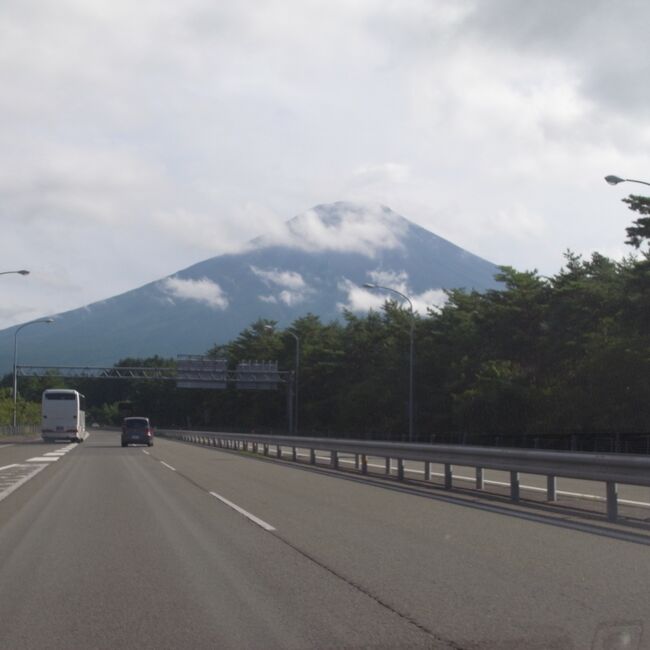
[614, 180]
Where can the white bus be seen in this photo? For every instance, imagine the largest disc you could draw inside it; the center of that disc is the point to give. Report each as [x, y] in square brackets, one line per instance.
[63, 415]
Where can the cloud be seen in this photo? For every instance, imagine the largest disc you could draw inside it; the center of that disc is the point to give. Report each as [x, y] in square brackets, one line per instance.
[203, 290]
[294, 289]
[341, 227]
[380, 173]
[288, 279]
[393, 279]
[361, 299]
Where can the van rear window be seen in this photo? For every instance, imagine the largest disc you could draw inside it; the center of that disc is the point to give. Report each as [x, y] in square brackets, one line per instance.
[68, 396]
[136, 424]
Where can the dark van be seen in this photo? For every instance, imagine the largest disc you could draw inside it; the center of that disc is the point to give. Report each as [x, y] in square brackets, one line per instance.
[137, 431]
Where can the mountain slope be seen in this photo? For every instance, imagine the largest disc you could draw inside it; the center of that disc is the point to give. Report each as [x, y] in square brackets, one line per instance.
[315, 263]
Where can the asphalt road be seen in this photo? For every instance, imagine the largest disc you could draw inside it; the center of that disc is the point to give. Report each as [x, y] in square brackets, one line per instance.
[180, 546]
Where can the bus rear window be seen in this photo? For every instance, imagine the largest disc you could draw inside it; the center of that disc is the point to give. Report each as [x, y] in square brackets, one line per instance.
[68, 396]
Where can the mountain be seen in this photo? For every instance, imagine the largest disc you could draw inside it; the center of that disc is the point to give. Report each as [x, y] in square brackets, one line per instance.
[316, 262]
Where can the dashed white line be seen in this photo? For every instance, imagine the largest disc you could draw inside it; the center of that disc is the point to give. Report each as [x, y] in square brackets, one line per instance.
[241, 511]
[144, 451]
[162, 462]
[43, 459]
[9, 466]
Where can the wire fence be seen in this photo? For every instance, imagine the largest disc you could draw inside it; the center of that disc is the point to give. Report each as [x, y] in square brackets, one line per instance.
[19, 430]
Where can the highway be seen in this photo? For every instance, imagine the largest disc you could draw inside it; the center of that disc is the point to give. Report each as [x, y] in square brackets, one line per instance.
[183, 546]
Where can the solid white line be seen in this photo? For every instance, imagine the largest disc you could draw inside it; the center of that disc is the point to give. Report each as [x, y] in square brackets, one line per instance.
[241, 511]
[162, 462]
[144, 451]
[42, 459]
[9, 466]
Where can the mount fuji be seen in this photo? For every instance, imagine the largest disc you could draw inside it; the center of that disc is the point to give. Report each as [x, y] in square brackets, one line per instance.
[317, 262]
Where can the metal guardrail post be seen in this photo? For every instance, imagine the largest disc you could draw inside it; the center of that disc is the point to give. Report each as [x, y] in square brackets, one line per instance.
[427, 470]
[387, 466]
[514, 486]
[334, 459]
[551, 488]
[612, 501]
[448, 476]
[266, 449]
[479, 478]
[364, 464]
[356, 461]
[294, 455]
[312, 456]
[400, 469]
[278, 451]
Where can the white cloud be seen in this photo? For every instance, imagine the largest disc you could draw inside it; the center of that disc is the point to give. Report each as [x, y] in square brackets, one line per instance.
[203, 290]
[392, 279]
[342, 227]
[294, 288]
[361, 299]
[381, 173]
[288, 279]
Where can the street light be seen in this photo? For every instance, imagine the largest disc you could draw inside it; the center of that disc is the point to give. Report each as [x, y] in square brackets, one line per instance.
[368, 285]
[33, 322]
[615, 180]
[21, 272]
[270, 328]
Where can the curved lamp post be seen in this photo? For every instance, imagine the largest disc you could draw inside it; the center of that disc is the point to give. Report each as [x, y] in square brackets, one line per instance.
[368, 285]
[33, 322]
[615, 180]
[21, 272]
[270, 328]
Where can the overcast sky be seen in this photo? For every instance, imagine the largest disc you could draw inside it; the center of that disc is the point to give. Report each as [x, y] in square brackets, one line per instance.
[137, 138]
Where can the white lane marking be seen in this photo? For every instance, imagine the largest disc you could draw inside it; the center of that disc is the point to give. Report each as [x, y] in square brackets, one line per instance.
[460, 477]
[9, 466]
[241, 511]
[32, 470]
[144, 451]
[56, 453]
[10, 444]
[42, 459]
[162, 462]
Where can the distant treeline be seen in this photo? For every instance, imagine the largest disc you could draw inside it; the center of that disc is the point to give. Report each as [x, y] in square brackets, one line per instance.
[543, 355]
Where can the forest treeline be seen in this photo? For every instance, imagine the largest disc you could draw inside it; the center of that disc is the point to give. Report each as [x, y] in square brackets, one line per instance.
[567, 354]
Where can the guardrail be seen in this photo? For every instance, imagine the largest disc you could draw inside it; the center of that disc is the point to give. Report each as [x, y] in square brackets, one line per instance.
[610, 469]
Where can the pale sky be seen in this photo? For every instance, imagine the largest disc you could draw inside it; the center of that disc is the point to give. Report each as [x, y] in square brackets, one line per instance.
[137, 138]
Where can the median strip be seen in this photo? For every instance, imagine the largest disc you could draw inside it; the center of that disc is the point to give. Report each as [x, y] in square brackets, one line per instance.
[241, 511]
